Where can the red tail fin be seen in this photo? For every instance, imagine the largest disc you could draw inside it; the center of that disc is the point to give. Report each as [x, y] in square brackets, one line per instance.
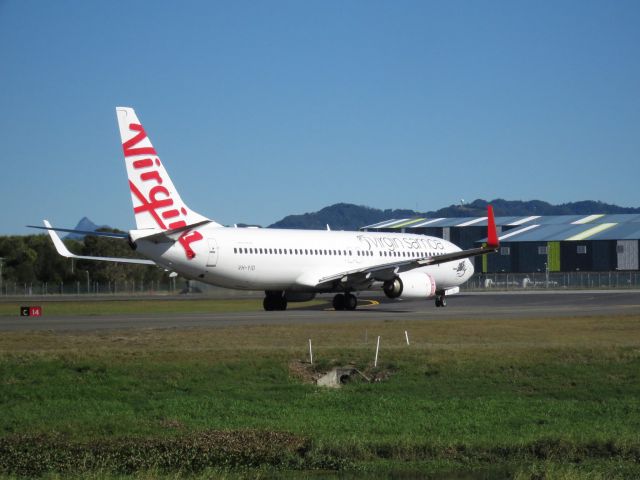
[492, 233]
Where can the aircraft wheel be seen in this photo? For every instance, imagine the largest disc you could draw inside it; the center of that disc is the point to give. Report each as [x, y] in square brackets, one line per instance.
[350, 302]
[268, 304]
[282, 303]
[339, 302]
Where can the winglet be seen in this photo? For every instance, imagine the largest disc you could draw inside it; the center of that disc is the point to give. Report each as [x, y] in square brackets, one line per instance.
[60, 247]
[492, 233]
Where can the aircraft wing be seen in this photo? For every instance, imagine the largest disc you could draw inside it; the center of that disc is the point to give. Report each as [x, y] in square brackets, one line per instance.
[388, 271]
[64, 251]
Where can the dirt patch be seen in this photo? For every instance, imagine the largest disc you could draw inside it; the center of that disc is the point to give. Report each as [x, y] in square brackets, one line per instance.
[310, 374]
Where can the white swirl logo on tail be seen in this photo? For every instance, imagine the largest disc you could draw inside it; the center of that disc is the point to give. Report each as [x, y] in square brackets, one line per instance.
[158, 202]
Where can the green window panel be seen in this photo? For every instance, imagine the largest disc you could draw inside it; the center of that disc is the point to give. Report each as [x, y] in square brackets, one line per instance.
[553, 249]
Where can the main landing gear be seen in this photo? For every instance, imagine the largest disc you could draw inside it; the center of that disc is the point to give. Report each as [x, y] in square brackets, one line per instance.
[345, 301]
[441, 301]
[274, 301]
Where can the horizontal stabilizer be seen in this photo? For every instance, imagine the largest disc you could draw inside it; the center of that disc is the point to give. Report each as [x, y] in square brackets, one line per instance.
[64, 251]
[166, 236]
[83, 232]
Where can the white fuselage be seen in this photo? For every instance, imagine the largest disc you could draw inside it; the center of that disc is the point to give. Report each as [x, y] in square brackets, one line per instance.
[296, 260]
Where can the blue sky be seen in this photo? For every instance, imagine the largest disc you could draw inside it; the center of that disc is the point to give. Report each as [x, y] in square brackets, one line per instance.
[261, 109]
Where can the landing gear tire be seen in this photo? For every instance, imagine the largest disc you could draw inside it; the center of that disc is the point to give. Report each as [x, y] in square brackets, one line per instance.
[350, 302]
[274, 302]
[268, 304]
[345, 301]
[339, 302]
[441, 301]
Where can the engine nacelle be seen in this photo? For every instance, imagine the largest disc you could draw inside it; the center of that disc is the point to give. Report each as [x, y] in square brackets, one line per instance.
[410, 285]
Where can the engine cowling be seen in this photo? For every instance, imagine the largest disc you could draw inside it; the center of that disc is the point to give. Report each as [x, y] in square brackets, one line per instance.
[410, 285]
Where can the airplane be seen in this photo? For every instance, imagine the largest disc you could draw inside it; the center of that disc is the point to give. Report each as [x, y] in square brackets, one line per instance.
[288, 265]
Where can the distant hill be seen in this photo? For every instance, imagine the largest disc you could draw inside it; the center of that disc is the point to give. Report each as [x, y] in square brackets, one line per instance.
[341, 216]
[85, 225]
[532, 207]
[346, 216]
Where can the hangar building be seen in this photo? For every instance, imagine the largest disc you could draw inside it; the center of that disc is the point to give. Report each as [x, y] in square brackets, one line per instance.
[557, 243]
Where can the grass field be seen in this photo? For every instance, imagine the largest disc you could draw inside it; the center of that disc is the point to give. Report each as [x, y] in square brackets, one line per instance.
[526, 398]
[97, 307]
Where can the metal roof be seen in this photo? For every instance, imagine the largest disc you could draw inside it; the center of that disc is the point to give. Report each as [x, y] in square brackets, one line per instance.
[536, 228]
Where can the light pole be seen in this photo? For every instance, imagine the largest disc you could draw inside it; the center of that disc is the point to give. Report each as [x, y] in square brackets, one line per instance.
[1, 260]
[546, 275]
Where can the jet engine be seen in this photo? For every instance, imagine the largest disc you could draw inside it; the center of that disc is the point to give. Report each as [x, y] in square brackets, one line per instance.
[410, 285]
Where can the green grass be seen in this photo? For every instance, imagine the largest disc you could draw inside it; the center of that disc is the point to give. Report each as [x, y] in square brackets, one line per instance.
[156, 305]
[534, 398]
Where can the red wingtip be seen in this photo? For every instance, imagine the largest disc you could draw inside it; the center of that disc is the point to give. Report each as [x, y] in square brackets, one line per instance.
[492, 233]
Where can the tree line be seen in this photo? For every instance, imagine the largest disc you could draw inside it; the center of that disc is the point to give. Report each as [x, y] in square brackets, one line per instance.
[32, 259]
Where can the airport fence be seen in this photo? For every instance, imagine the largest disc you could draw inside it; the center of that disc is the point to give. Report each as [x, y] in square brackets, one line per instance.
[88, 288]
[479, 282]
[553, 280]
[121, 289]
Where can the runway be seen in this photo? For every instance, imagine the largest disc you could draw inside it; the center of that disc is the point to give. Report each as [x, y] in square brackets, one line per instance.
[370, 308]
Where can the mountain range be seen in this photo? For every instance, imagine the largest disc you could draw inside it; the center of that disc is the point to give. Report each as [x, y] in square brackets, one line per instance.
[347, 216]
[85, 225]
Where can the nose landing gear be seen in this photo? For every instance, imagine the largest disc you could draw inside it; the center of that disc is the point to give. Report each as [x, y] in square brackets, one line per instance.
[441, 300]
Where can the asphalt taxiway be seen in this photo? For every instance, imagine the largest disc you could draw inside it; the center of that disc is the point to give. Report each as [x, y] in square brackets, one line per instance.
[370, 308]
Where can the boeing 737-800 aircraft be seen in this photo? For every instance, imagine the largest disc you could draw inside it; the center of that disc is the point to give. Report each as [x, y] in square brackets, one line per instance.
[289, 265]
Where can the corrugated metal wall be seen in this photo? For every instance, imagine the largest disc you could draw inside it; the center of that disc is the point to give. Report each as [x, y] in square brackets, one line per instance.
[603, 255]
[627, 254]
